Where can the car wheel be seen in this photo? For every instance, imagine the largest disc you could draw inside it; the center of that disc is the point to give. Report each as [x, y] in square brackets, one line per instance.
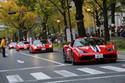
[64, 56]
[30, 50]
[114, 61]
[17, 49]
[73, 59]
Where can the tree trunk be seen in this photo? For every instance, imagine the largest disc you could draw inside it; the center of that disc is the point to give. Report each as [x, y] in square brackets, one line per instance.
[79, 18]
[106, 30]
[65, 24]
[113, 15]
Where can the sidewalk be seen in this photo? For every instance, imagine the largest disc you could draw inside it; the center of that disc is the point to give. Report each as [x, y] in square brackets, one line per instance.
[121, 54]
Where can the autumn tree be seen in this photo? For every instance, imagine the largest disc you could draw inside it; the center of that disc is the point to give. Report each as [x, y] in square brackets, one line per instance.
[20, 20]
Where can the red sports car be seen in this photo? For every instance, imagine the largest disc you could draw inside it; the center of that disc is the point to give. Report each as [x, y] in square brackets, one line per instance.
[37, 46]
[20, 46]
[88, 50]
[48, 45]
[27, 44]
[12, 45]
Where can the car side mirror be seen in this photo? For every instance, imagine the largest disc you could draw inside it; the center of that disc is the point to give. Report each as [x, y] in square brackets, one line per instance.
[111, 43]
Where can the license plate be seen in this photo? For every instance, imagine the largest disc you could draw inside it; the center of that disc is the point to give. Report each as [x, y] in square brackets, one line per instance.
[97, 56]
[43, 48]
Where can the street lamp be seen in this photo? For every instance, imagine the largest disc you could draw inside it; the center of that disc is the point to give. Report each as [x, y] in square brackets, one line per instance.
[58, 21]
[92, 19]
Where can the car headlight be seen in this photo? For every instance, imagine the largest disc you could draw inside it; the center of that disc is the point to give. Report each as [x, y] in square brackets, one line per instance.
[50, 46]
[110, 49]
[35, 47]
[80, 51]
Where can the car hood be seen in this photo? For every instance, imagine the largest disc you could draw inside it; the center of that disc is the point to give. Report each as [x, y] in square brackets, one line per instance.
[97, 48]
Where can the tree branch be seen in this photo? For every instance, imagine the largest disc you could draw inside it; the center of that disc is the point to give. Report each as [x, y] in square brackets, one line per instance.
[99, 5]
[56, 6]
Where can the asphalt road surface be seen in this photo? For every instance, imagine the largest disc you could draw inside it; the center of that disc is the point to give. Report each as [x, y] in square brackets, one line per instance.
[24, 67]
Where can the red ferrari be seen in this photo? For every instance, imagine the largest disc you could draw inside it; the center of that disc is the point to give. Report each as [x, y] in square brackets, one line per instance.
[89, 50]
[27, 44]
[20, 46]
[37, 46]
[12, 45]
[48, 45]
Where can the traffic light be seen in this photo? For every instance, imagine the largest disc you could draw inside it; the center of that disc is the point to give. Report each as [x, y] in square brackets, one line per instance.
[12, 12]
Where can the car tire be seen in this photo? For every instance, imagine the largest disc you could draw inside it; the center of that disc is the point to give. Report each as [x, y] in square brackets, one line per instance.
[114, 61]
[64, 56]
[30, 50]
[73, 59]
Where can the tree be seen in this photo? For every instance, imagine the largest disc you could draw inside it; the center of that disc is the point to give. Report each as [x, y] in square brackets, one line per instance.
[79, 17]
[21, 20]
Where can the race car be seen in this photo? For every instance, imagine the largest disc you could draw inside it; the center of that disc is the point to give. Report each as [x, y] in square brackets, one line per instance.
[12, 45]
[89, 50]
[37, 46]
[20, 46]
[27, 44]
[48, 45]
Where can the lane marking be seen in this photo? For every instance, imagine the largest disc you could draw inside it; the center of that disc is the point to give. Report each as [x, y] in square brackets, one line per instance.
[40, 76]
[65, 73]
[43, 59]
[78, 76]
[20, 61]
[90, 71]
[117, 69]
[22, 69]
[14, 78]
[92, 78]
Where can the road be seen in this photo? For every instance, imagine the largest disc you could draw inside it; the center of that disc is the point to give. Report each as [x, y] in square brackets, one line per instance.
[24, 67]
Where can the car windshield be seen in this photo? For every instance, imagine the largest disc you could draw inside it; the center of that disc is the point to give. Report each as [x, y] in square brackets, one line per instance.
[38, 43]
[21, 43]
[13, 43]
[88, 42]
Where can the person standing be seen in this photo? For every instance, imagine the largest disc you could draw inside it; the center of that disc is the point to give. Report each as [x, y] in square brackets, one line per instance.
[3, 46]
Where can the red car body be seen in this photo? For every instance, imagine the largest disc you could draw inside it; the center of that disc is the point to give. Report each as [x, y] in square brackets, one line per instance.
[37, 46]
[48, 45]
[12, 45]
[81, 50]
[27, 44]
[20, 46]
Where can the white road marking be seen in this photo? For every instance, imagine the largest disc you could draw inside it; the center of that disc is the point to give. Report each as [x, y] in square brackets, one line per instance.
[14, 78]
[65, 73]
[19, 61]
[22, 69]
[90, 71]
[92, 78]
[117, 69]
[40, 76]
[43, 59]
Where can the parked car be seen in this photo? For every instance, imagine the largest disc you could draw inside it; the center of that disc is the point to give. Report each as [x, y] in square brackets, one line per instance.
[88, 50]
[12, 45]
[20, 46]
[37, 46]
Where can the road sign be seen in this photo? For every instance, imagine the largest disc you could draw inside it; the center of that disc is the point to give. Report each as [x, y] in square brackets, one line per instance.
[38, 20]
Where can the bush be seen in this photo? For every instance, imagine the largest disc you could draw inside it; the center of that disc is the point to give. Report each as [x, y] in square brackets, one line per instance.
[60, 45]
[120, 44]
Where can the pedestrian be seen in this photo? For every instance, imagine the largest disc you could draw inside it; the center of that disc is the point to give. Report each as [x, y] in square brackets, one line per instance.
[3, 46]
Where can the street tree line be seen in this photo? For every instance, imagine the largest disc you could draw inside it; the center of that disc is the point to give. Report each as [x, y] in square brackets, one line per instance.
[23, 23]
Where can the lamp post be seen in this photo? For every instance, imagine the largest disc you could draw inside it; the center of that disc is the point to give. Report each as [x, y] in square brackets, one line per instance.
[92, 19]
[58, 21]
